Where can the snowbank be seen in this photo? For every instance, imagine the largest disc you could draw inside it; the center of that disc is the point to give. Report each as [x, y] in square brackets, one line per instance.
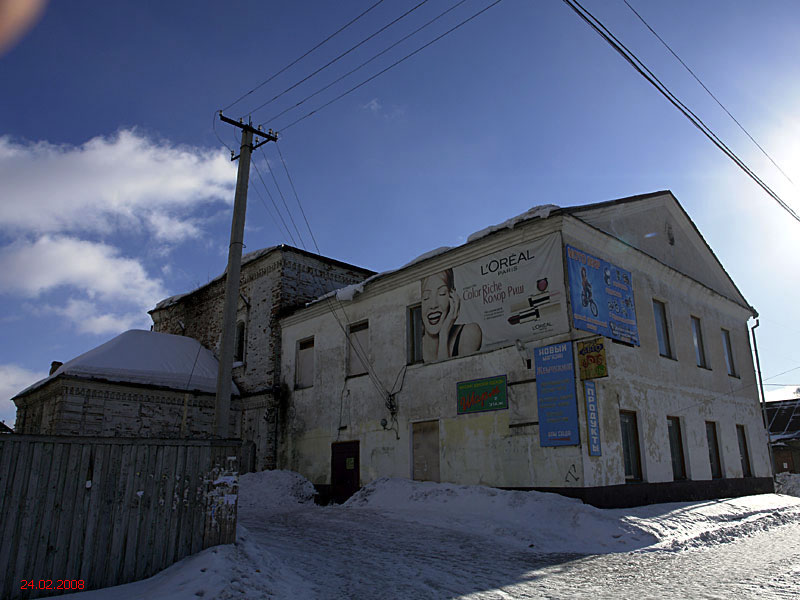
[788, 483]
[270, 492]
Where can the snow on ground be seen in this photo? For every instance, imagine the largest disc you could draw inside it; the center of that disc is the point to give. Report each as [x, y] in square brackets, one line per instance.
[788, 483]
[288, 547]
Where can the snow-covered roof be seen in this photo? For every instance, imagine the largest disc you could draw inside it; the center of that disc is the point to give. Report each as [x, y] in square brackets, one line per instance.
[146, 357]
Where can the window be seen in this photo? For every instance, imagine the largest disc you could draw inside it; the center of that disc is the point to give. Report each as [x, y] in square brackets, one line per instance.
[238, 354]
[414, 335]
[713, 450]
[728, 349]
[697, 338]
[304, 374]
[676, 448]
[630, 446]
[743, 454]
[358, 349]
[662, 331]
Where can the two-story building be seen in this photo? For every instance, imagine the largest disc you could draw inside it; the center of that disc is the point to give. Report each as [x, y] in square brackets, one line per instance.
[599, 351]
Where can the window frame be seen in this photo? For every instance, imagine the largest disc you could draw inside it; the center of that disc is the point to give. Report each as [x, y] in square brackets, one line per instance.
[354, 360]
[662, 329]
[727, 351]
[699, 346]
[309, 344]
[636, 475]
[715, 449]
[676, 452]
[414, 333]
[240, 343]
[744, 452]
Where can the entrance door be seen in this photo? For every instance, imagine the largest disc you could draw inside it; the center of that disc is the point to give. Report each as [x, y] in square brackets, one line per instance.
[425, 438]
[345, 475]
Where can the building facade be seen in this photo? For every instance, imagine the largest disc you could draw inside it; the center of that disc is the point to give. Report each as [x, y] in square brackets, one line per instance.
[274, 281]
[600, 351]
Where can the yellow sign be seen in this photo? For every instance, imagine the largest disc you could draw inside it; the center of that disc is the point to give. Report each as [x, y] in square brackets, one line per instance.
[592, 358]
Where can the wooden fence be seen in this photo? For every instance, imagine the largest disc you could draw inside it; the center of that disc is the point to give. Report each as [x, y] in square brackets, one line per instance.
[106, 511]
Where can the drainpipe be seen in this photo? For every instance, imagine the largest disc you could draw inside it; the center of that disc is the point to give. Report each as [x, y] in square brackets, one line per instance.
[763, 400]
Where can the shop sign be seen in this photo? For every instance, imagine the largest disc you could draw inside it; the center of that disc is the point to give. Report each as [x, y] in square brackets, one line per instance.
[592, 359]
[592, 418]
[480, 395]
[555, 395]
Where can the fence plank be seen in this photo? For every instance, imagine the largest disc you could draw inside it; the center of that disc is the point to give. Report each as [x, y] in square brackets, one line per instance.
[123, 499]
[81, 508]
[61, 464]
[67, 516]
[19, 568]
[177, 503]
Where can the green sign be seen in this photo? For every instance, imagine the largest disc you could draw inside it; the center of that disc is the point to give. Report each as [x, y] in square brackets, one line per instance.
[479, 395]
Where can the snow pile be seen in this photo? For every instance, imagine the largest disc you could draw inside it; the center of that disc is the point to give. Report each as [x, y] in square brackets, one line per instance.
[542, 212]
[427, 255]
[274, 491]
[538, 520]
[788, 483]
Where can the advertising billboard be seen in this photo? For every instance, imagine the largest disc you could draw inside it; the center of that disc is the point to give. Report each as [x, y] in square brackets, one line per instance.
[602, 297]
[555, 395]
[513, 294]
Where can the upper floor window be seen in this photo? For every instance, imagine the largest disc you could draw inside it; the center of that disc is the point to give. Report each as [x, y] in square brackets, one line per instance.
[358, 348]
[238, 353]
[697, 338]
[662, 329]
[414, 335]
[728, 349]
[304, 374]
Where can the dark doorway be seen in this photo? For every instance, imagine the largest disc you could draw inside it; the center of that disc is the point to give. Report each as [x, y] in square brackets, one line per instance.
[345, 476]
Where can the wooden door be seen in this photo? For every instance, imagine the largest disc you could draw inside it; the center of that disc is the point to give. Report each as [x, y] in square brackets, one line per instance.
[425, 450]
[345, 476]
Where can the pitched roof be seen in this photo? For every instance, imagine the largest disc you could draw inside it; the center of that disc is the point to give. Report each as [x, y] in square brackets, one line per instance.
[145, 358]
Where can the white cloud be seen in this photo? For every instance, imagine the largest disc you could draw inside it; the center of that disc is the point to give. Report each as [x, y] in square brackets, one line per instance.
[14, 379]
[123, 181]
[373, 105]
[88, 317]
[32, 268]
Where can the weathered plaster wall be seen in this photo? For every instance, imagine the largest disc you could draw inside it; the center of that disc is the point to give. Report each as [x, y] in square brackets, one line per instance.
[502, 448]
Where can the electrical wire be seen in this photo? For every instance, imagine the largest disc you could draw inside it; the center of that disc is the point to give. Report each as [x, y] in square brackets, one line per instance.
[379, 73]
[264, 183]
[334, 60]
[291, 182]
[297, 60]
[642, 69]
[692, 73]
[270, 213]
[365, 63]
[291, 218]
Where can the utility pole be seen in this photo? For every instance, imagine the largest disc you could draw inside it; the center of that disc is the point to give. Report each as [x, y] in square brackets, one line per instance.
[222, 406]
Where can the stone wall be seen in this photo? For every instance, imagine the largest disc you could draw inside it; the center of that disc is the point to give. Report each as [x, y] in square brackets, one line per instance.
[274, 282]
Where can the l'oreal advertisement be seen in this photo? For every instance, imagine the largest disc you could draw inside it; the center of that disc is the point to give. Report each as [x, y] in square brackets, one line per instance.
[513, 294]
[602, 297]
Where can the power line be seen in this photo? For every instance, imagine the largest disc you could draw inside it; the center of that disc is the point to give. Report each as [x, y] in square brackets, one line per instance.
[642, 69]
[291, 218]
[692, 73]
[332, 61]
[297, 60]
[264, 183]
[394, 64]
[291, 182]
[365, 63]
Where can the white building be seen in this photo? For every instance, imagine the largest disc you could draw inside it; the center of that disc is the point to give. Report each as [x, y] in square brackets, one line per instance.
[464, 366]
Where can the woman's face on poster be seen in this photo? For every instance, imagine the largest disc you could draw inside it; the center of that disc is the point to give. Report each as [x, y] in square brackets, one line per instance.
[435, 302]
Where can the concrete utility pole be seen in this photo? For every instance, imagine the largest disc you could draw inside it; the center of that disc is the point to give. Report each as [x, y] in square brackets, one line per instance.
[232, 277]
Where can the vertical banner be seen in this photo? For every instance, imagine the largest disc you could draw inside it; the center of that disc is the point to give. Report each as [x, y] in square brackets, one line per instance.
[602, 297]
[555, 395]
[592, 418]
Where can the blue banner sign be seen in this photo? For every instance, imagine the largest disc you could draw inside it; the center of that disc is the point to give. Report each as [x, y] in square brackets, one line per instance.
[592, 418]
[602, 297]
[555, 394]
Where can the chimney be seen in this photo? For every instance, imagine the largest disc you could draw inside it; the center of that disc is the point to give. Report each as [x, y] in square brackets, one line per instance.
[54, 366]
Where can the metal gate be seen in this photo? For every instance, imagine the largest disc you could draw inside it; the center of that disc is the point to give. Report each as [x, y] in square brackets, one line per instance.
[345, 476]
[425, 438]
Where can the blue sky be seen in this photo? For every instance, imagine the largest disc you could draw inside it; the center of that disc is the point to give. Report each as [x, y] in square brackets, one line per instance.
[115, 189]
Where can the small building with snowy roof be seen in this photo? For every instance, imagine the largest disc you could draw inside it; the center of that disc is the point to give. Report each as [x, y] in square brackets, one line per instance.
[600, 351]
[138, 384]
[783, 421]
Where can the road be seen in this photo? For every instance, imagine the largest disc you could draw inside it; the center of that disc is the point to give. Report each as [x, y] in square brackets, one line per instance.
[339, 553]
